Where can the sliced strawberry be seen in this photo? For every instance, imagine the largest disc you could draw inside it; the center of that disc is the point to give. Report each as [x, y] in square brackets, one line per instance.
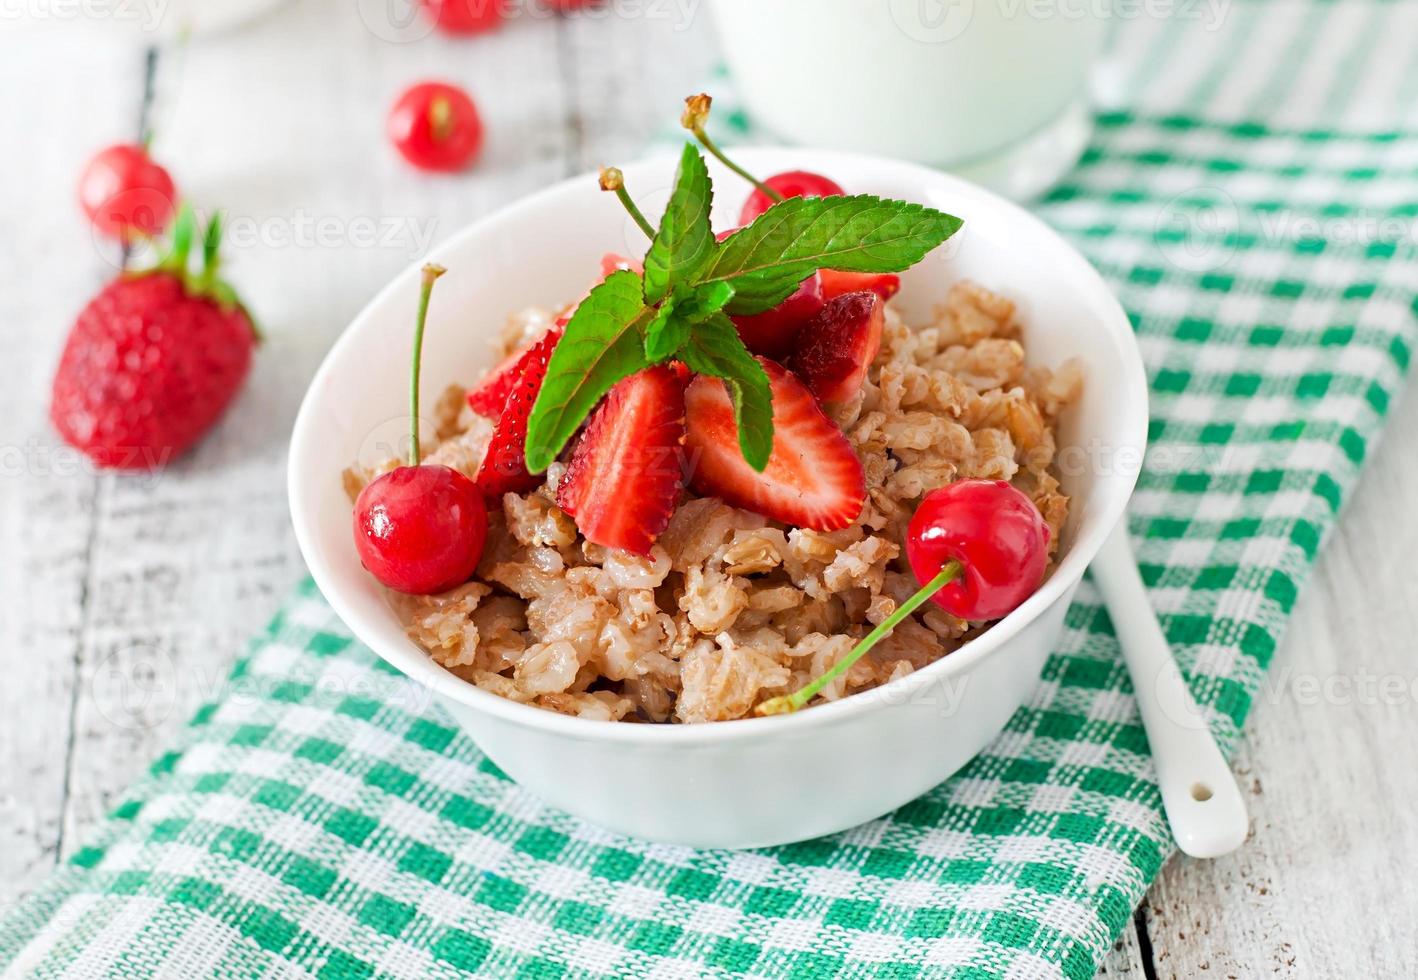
[504, 466]
[489, 395]
[836, 283]
[836, 347]
[627, 468]
[814, 478]
[772, 333]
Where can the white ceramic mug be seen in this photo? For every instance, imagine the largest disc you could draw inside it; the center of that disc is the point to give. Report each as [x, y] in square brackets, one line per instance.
[993, 89]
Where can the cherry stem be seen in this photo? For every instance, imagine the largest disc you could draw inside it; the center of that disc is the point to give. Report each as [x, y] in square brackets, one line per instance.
[440, 119]
[613, 180]
[788, 703]
[431, 273]
[696, 114]
[710, 145]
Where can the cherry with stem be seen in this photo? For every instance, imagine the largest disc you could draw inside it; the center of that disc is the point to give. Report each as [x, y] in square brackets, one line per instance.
[981, 546]
[421, 527]
[696, 114]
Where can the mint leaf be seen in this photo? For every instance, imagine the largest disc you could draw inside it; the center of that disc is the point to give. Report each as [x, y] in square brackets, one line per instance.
[666, 333]
[601, 345]
[685, 242]
[790, 241]
[705, 300]
[715, 349]
[678, 316]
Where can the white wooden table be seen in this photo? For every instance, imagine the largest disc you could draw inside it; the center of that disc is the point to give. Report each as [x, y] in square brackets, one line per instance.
[124, 599]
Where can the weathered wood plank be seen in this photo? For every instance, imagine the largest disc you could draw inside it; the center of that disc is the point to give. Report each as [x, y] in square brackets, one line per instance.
[146, 588]
[74, 101]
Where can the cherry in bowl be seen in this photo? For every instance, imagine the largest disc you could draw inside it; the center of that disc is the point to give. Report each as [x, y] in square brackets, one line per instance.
[979, 548]
[420, 528]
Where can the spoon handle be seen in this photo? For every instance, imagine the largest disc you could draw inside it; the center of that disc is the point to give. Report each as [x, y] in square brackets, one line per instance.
[1203, 802]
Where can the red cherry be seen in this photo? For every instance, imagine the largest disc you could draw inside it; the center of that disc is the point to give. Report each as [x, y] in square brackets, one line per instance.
[436, 127]
[125, 194]
[996, 534]
[979, 547]
[793, 183]
[420, 529]
[465, 16]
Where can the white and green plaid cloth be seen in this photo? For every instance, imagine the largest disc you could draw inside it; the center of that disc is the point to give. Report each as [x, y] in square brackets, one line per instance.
[1253, 203]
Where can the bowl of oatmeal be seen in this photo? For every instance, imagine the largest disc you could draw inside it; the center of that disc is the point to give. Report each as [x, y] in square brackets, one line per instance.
[622, 684]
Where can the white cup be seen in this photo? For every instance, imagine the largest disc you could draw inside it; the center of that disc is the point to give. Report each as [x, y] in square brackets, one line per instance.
[993, 89]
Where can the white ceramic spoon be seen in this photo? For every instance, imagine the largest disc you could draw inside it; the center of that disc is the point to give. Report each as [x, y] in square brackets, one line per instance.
[1200, 794]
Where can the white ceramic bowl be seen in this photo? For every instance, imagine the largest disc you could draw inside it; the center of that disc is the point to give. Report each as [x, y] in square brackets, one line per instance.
[757, 781]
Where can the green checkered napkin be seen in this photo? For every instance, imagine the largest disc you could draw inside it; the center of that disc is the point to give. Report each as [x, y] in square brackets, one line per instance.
[322, 819]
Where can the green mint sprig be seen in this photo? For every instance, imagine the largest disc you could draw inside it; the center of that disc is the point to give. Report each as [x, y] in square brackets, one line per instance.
[680, 308]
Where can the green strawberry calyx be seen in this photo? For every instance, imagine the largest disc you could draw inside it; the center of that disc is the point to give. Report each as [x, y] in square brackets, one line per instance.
[205, 282]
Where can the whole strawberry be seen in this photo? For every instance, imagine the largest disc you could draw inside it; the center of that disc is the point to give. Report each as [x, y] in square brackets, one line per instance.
[154, 360]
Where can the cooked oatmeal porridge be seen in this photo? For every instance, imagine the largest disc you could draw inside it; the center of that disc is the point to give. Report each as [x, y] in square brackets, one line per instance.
[730, 608]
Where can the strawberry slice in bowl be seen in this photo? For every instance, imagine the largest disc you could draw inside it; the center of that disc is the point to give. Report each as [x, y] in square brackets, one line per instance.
[814, 478]
[835, 348]
[489, 395]
[774, 332]
[504, 466]
[627, 468]
[836, 283]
